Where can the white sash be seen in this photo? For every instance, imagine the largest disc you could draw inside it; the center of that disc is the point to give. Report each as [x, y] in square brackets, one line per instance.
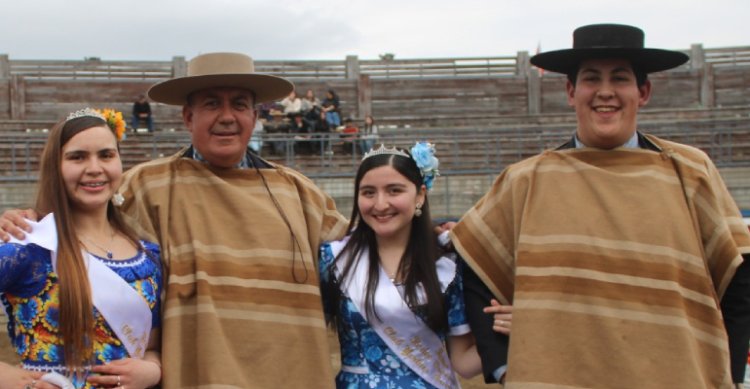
[126, 311]
[404, 332]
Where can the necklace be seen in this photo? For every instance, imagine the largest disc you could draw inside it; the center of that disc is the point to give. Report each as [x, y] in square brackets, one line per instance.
[111, 240]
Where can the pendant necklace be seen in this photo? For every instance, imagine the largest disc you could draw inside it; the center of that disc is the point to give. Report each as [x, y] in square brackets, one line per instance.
[111, 240]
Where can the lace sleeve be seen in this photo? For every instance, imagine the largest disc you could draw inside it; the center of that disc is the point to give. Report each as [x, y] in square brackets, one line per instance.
[20, 268]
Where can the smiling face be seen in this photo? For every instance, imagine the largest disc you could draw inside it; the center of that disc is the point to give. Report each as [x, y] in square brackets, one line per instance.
[91, 168]
[387, 201]
[606, 98]
[221, 121]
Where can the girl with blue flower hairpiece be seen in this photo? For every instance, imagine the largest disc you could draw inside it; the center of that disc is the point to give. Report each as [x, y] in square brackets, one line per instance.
[394, 296]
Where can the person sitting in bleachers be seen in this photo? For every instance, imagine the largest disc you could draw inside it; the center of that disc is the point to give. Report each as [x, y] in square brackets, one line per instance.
[369, 135]
[292, 104]
[310, 102]
[331, 108]
[256, 139]
[349, 135]
[277, 128]
[321, 131]
[302, 133]
[142, 113]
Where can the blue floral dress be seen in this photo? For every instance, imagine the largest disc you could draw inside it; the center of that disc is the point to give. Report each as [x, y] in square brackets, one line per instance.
[362, 348]
[29, 293]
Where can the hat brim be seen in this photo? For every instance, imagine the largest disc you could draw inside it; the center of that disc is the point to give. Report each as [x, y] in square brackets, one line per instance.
[265, 87]
[646, 60]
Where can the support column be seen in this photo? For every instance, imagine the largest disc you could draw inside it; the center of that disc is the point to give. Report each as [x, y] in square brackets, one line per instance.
[364, 96]
[706, 73]
[17, 98]
[533, 83]
[179, 67]
[4, 66]
[352, 67]
[5, 110]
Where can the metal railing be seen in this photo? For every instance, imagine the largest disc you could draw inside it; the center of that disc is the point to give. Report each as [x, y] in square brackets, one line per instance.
[97, 68]
[461, 150]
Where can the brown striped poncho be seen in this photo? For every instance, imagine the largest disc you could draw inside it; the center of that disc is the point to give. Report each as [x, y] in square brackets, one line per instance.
[234, 317]
[615, 262]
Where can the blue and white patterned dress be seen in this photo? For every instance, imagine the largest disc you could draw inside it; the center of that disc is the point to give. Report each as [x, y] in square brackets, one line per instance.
[29, 293]
[362, 348]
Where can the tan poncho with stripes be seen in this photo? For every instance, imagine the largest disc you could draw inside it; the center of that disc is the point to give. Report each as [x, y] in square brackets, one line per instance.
[615, 263]
[234, 317]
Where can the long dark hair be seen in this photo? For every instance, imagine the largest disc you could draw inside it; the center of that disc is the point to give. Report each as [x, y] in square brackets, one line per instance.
[76, 306]
[418, 262]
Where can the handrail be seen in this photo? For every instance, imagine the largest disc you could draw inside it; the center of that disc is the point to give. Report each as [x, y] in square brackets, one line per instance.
[96, 68]
[477, 149]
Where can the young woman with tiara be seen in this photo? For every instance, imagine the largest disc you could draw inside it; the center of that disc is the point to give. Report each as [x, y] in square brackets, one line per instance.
[395, 299]
[82, 290]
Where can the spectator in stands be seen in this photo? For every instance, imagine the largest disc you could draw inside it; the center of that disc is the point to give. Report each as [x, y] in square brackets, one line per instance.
[292, 104]
[240, 238]
[349, 134]
[331, 108]
[256, 139]
[278, 129]
[264, 110]
[310, 102]
[321, 137]
[142, 113]
[369, 134]
[303, 133]
[72, 286]
[311, 108]
[620, 251]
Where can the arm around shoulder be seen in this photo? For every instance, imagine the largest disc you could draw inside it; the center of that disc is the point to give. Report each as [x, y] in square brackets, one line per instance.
[492, 346]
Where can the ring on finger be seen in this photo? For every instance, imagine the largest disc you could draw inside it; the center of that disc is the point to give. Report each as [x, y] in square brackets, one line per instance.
[502, 323]
[118, 381]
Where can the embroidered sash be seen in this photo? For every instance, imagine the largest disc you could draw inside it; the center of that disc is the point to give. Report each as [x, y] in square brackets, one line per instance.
[126, 311]
[418, 346]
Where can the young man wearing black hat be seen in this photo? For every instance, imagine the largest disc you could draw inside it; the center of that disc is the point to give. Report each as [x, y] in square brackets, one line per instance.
[624, 256]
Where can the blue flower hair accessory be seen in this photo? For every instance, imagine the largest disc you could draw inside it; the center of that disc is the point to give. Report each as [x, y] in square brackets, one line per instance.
[423, 154]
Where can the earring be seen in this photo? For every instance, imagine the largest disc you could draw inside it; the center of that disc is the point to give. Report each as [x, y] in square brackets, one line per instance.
[418, 211]
[118, 199]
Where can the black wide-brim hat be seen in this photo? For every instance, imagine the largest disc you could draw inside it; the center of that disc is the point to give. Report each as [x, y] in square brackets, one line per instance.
[609, 41]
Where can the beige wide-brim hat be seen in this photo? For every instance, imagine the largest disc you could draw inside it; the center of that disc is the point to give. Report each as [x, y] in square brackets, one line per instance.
[233, 70]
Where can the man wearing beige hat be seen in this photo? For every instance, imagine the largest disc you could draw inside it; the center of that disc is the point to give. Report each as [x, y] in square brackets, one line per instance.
[621, 253]
[239, 237]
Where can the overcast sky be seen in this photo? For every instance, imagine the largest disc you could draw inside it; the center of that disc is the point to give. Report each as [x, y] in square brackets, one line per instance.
[333, 29]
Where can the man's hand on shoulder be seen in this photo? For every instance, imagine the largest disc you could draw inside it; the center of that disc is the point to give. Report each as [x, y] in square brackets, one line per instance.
[12, 222]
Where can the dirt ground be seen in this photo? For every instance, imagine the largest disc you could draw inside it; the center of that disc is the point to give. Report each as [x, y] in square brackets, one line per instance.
[7, 354]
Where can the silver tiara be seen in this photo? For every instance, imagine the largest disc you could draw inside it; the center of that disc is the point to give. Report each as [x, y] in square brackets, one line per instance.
[384, 150]
[85, 112]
